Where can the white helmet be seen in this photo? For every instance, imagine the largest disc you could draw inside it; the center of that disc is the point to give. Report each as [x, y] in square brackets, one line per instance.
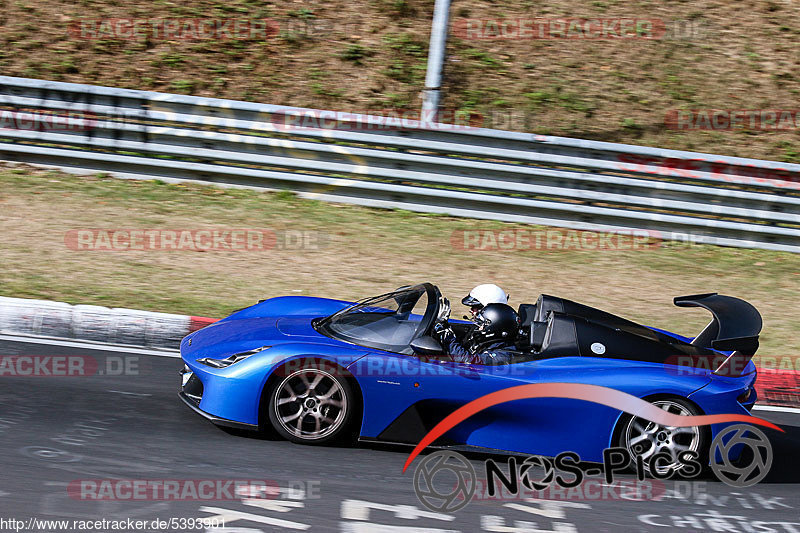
[485, 294]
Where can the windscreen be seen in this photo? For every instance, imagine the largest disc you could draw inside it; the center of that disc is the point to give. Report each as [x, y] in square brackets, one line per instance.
[388, 322]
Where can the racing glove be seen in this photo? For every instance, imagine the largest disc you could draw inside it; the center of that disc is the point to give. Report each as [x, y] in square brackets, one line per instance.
[442, 329]
[444, 310]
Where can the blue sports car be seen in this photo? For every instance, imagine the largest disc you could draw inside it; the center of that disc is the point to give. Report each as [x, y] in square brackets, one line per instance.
[317, 370]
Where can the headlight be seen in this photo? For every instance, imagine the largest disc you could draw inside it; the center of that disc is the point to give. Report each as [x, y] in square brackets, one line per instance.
[228, 361]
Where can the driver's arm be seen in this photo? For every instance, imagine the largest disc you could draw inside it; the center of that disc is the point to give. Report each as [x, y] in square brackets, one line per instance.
[450, 343]
[496, 356]
[455, 349]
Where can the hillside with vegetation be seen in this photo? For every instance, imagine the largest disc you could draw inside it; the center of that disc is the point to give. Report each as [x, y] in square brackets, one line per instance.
[370, 55]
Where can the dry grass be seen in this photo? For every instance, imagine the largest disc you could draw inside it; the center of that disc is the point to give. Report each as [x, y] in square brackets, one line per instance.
[368, 251]
[371, 54]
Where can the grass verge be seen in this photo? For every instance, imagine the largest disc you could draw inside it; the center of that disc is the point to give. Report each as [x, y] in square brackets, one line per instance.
[355, 252]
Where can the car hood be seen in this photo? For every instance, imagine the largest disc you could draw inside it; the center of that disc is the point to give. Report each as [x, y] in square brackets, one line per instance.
[296, 327]
[228, 337]
[284, 319]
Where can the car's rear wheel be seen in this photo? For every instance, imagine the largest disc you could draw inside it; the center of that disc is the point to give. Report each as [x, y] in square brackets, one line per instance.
[311, 406]
[644, 438]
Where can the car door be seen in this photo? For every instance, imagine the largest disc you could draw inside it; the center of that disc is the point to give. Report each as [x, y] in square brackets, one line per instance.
[405, 395]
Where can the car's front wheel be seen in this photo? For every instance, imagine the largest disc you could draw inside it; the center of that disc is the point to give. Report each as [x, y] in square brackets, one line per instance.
[311, 405]
[649, 440]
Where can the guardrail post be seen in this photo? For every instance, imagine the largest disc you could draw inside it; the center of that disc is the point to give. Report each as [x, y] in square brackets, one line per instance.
[436, 51]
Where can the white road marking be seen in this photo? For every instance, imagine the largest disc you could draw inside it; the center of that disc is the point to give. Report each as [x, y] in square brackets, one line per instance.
[129, 393]
[776, 408]
[89, 345]
[371, 527]
[360, 510]
[227, 516]
[547, 508]
[280, 506]
[233, 530]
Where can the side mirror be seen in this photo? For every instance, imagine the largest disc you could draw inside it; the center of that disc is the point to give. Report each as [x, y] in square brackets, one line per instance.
[426, 345]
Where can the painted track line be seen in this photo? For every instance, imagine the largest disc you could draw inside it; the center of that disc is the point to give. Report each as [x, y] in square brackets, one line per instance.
[89, 345]
[776, 408]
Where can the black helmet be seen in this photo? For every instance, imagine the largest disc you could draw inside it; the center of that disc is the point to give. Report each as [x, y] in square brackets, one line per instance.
[495, 322]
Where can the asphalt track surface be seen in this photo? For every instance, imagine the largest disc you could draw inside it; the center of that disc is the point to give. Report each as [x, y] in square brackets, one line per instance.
[129, 424]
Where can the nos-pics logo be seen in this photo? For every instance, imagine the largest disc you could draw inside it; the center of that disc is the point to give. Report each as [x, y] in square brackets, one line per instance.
[446, 481]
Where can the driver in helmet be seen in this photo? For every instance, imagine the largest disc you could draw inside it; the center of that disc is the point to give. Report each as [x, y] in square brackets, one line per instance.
[489, 343]
[482, 295]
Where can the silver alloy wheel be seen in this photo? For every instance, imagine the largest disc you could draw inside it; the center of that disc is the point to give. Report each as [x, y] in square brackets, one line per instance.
[310, 404]
[645, 438]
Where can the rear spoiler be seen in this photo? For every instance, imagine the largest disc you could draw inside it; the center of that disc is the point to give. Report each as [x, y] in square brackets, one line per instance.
[734, 328]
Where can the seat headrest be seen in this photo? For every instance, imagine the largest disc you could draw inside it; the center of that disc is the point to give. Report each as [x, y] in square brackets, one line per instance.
[538, 331]
[526, 314]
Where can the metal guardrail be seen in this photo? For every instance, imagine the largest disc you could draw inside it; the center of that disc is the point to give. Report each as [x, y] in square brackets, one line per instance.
[435, 168]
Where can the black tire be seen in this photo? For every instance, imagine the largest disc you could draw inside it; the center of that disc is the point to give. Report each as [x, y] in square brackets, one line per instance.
[642, 437]
[312, 405]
